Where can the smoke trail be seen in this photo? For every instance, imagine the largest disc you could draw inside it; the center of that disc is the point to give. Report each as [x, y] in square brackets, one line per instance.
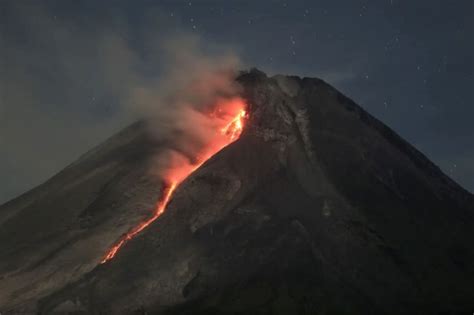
[75, 79]
[189, 104]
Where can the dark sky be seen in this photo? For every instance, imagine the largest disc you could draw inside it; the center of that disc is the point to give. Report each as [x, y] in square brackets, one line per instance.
[64, 63]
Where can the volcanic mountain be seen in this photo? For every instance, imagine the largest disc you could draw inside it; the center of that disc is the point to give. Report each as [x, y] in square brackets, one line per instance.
[317, 208]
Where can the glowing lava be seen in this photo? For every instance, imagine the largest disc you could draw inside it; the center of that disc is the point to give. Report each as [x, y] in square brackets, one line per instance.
[234, 128]
[160, 208]
[228, 128]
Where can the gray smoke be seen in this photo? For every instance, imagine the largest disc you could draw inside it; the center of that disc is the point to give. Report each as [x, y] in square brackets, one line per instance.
[177, 106]
[70, 83]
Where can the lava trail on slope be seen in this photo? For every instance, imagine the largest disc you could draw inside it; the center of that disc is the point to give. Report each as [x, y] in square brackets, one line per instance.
[230, 118]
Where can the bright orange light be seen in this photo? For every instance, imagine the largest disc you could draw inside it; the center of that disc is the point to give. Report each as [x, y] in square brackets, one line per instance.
[234, 128]
[229, 122]
[160, 208]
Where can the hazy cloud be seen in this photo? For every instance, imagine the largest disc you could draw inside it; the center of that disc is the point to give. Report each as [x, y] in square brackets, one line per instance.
[68, 84]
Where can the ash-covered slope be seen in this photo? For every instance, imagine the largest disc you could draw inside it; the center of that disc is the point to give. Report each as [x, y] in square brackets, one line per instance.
[317, 208]
[59, 231]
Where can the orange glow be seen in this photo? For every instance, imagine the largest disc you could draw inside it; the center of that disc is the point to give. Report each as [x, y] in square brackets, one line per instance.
[234, 128]
[160, 208]
[228, 124]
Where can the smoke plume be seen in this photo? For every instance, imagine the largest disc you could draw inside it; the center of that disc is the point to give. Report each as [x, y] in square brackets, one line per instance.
[75, 78]
[189, 104]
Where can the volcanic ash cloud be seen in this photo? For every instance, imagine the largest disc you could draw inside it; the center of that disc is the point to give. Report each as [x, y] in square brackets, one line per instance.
[189, 105]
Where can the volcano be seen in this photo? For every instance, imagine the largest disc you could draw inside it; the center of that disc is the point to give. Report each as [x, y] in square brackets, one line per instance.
[313, 207]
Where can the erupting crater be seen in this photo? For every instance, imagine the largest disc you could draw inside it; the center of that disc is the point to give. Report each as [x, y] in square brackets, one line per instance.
[228, 120]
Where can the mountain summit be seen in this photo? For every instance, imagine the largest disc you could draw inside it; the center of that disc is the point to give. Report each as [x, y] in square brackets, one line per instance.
[318, 208]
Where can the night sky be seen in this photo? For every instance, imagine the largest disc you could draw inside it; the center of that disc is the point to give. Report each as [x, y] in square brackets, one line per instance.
[63, 64]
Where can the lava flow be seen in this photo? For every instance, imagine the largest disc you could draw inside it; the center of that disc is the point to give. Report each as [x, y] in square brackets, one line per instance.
[228, 127]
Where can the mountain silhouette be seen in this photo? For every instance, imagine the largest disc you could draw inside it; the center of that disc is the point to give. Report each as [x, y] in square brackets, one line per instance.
[318, 208]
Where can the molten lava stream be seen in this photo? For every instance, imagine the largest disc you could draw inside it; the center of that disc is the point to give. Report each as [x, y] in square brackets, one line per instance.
[231, 130]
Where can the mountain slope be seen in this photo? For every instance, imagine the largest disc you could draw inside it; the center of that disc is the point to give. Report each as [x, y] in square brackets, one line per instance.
[317, 208]
[57, 232]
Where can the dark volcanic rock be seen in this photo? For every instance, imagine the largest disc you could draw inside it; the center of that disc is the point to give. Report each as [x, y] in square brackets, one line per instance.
[317, 209]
